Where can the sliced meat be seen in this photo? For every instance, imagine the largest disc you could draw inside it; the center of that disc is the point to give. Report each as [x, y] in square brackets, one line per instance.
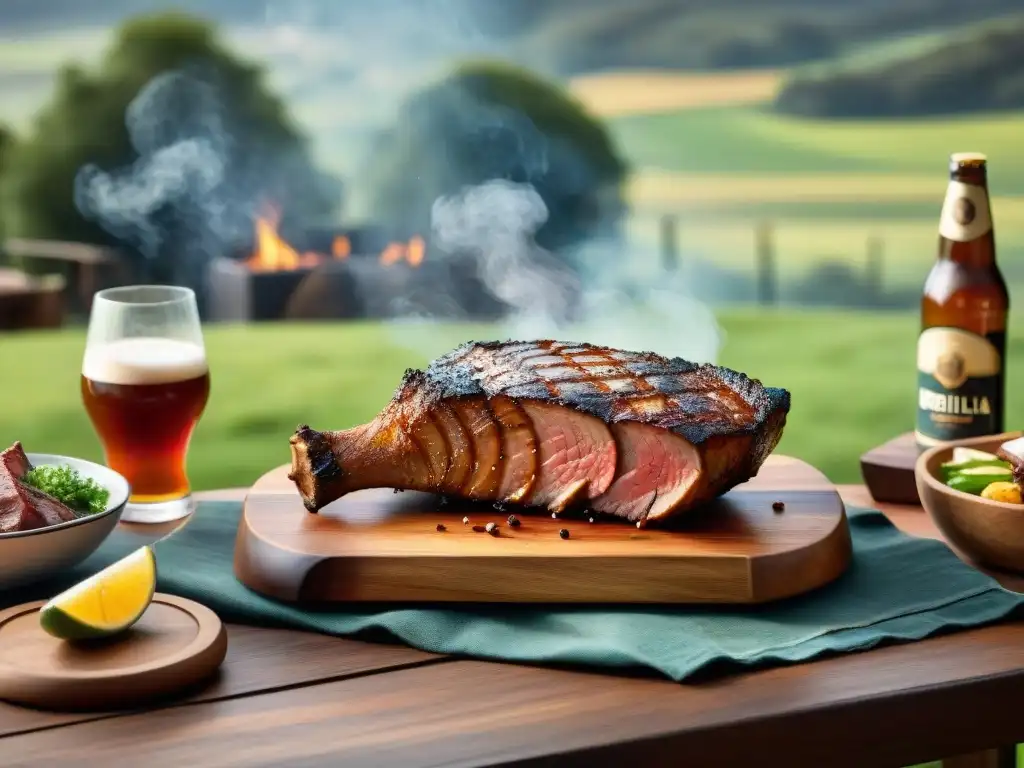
[657, 469]
[459, 444]
[15, 461]
[23, 507]
[518, 450]
[576, 455]
[425, 431]
[551, 423]
[485, 476]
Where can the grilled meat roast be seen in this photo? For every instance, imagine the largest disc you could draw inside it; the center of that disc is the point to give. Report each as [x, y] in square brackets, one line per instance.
[554, 424]
[23, 507]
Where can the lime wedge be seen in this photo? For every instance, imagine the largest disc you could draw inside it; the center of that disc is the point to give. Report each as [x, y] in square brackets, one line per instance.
[103, 604]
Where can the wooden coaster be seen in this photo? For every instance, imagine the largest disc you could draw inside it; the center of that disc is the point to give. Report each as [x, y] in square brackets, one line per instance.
[888, 471]
[176, 644]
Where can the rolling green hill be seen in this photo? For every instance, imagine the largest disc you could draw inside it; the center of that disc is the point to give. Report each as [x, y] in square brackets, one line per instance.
[976, 68]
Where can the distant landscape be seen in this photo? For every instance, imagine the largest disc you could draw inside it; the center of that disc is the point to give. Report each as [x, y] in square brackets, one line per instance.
[727, 110]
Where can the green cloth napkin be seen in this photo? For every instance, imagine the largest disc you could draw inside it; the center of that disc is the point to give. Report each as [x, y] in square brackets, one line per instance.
[898, 588]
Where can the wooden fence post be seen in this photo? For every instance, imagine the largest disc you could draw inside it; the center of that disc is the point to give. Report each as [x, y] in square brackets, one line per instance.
[669, 243]
[767, 274]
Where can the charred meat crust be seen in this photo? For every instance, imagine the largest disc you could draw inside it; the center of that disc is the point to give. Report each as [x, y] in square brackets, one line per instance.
[454, 375]
[314, 467]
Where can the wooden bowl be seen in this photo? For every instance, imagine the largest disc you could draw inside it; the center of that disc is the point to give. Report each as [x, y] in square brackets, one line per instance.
[27, 556]
[989, 532]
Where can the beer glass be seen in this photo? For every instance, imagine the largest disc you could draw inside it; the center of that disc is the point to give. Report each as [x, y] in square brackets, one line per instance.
[145, 383]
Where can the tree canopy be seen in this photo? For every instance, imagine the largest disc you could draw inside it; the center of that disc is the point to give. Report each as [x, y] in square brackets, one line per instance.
[489, 121]
[165, 85]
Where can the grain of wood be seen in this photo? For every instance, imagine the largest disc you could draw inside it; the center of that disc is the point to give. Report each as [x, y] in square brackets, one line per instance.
[891, 706]
[258, 659]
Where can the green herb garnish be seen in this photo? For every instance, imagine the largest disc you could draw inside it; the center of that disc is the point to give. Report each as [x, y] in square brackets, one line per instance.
[80, 494]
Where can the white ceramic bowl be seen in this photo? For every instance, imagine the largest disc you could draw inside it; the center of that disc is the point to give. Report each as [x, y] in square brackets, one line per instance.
[27, 556]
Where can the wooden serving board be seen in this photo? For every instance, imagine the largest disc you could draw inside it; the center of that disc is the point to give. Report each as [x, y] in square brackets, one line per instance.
[382, 546]
[888, 471]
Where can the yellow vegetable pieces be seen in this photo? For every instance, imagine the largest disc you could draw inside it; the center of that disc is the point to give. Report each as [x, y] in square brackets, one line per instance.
[1002, 491]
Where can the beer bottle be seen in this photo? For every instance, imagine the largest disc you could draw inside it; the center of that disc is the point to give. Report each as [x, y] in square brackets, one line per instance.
[961, 352]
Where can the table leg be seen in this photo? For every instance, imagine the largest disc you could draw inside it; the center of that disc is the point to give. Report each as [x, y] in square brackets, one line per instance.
[1001, 757]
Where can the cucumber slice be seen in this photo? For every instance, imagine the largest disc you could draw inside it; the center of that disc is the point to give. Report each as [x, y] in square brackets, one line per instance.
[974, 480]
[986, 471]
[948, 470]
[961, 455]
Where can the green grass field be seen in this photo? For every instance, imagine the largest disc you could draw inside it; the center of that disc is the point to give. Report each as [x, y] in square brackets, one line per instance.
[851, 375]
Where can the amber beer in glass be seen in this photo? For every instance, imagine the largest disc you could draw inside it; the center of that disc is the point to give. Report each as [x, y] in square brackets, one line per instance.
[145, 383]
[961, 352]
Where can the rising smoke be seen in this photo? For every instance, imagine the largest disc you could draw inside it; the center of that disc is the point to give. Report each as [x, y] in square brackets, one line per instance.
[198, 182]
[187, 200]
[497, 220]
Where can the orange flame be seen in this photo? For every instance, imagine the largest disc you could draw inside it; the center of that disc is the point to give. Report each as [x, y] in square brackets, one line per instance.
[412, 253]
[274, 254]
[341, 247]
[415, 251]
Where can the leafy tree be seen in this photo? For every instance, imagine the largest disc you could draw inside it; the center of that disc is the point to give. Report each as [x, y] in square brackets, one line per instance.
[166, 80]
[489, 121]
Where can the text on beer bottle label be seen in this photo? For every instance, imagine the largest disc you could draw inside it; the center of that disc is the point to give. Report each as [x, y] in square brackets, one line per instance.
[965, 212]
[959, 384]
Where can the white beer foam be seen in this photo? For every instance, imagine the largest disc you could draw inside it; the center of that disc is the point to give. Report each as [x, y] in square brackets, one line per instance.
[144, 361]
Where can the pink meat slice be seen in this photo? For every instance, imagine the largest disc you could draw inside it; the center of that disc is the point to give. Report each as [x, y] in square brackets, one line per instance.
[23, 507]
[576, 455]
[15, 461]
[657, 470]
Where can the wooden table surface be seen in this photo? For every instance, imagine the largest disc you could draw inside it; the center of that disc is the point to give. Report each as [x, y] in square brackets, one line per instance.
[286, 698]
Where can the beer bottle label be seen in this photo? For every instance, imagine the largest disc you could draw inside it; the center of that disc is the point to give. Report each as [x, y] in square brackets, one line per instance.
[965, 213]
[959, 384]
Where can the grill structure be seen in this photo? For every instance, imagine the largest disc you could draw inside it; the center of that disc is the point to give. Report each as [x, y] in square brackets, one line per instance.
[236, 293]
[355, 288]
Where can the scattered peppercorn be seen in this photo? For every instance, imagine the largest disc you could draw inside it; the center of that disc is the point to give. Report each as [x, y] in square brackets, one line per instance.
[590, 519]
[513, 520]
[441, 527]
[490, 527]
[778, 506]
[554, 515]
[564, 533]
[465, 521]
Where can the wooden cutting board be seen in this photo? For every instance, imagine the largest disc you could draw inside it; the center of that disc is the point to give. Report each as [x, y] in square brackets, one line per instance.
[888, 471]
[382, 546]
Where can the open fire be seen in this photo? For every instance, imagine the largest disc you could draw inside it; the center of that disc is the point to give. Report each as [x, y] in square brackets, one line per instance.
[342, 274]
[272, 253]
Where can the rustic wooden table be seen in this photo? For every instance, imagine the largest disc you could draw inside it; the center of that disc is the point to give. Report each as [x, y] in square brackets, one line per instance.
[286, 698]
